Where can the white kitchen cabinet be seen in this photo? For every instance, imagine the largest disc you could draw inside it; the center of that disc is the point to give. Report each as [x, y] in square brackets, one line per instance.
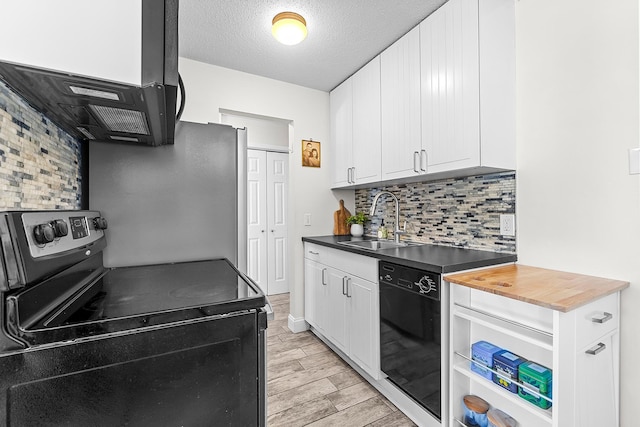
[364, 340]
[341, 103]
[341, 303]
[596, 389]
[445, 96]
[315, 294]
[337, 327]
[400, 108]
[467, 66]
[585, 386]
[366, 123]
[355, 127]
[53, 46]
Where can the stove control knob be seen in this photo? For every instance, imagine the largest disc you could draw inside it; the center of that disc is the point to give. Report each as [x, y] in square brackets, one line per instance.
[60, 228]
[100, 223]
[43, 233]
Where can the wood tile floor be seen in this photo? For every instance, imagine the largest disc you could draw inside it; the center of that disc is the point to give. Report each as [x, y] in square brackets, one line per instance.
[309, 385]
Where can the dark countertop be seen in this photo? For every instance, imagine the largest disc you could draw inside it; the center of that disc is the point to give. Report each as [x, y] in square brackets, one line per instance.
[434, 258]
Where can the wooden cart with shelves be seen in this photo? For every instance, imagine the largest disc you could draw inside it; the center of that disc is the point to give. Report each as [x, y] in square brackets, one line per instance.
[563, 321]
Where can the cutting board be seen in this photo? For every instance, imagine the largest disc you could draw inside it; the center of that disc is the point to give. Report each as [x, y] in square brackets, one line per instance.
[340, 226]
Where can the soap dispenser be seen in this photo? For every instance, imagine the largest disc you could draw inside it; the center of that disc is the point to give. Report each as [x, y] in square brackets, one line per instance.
[382, 231]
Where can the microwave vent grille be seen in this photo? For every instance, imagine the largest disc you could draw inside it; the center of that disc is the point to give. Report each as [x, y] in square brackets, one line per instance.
[122, 120]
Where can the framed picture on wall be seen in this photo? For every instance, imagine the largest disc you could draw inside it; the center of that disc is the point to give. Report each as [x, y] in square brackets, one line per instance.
[310, 153]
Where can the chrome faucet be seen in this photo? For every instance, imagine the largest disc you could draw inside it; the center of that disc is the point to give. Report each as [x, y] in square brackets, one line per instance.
[398, 231]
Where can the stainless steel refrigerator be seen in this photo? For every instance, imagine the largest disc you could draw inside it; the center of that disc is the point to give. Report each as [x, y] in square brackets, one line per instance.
[172, 203]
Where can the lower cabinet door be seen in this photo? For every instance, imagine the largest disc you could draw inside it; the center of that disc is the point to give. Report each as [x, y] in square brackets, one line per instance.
[314, 298]
[596, 385]
[336, 309]
[363, 324]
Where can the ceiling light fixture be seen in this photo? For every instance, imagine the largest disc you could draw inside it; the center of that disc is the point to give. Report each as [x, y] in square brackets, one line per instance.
[289, 28]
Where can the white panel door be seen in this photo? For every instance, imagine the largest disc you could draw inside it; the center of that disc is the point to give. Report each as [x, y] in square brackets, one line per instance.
[596, 384]
[257, 217]
[367, 137]
[364, 325]
[277, 242]
[316, 294]
[400, 101]
[337, 326]
[341, 100]
[449, 67]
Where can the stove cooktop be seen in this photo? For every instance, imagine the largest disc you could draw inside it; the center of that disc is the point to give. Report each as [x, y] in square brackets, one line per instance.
[127, 298]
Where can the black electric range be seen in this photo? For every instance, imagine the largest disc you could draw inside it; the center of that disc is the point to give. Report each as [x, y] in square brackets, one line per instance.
[81, 344]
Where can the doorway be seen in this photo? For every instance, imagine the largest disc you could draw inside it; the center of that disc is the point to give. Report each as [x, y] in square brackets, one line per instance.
[267, 199]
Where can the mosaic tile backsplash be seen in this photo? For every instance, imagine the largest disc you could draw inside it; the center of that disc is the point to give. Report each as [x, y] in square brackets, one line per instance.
[39, 163]
[462, 212]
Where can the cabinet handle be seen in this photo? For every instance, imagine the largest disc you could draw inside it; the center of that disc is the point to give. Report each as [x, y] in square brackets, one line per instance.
[344, 283]
[416, 161]
[601, 319]
[596, 349]
[314, 253]
[423, 156]
[324, 282]
[348, 175]
[353, 175]
[348, 281]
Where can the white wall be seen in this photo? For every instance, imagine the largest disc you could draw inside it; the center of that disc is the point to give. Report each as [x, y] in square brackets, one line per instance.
[578, 209]
[210, 89]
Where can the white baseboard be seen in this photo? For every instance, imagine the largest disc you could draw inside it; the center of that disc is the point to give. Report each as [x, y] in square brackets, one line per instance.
[297, 324]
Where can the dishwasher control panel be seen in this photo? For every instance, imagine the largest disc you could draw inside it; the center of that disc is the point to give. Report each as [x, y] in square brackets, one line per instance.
[421, 282]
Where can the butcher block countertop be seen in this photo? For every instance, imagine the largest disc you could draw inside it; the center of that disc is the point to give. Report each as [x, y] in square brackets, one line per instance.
[557, 290]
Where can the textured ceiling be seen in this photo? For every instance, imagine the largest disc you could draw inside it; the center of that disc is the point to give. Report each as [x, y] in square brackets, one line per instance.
[343, 35]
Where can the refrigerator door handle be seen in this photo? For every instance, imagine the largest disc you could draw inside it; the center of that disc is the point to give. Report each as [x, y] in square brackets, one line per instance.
[268, 309]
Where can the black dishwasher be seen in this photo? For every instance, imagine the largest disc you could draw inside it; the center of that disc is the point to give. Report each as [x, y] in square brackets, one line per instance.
[410, 332]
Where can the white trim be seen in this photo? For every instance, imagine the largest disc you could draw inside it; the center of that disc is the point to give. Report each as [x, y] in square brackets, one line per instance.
[272, 148]
[297, 325]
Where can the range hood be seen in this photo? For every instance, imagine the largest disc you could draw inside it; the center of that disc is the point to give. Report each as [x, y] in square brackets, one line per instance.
[104, 70]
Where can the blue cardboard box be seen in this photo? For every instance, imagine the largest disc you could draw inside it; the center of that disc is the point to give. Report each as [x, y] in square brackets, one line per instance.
[482, 352]
[507, 364]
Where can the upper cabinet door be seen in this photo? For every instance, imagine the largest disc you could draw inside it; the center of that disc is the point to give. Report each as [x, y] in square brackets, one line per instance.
[400, 93]
[341, 100]
[366, 123]
[450, 86]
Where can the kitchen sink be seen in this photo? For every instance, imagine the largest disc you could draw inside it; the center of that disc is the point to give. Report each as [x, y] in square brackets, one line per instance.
[375, 245]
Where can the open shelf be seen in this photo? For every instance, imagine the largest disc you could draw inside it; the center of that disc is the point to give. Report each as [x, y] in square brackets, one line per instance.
[537, 337]
[459, 422]
[461, 366]
[527, 387]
